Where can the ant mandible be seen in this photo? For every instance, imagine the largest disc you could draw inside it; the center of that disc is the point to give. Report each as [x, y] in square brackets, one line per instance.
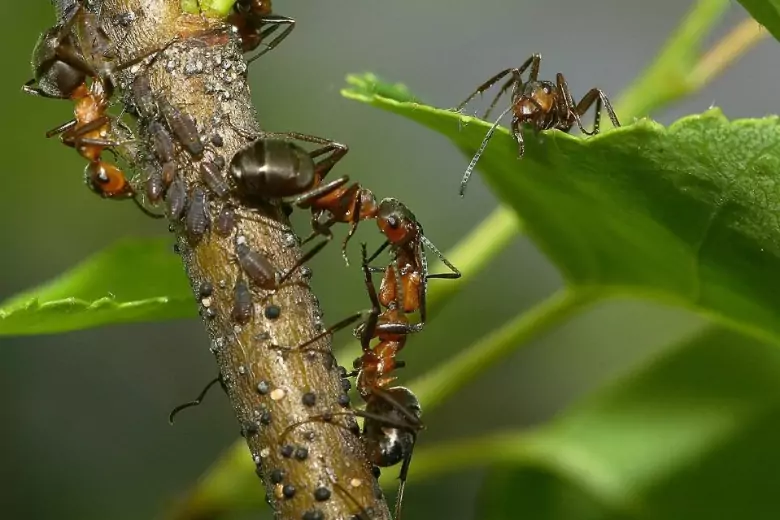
[251, 17]
[543, 105]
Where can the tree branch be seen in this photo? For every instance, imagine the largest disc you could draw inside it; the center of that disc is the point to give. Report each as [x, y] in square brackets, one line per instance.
[204, 76]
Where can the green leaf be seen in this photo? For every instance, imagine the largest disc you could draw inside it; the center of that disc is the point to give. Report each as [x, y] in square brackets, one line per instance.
[766, 12]
[691, 435]
[686, 215]
[131, 281]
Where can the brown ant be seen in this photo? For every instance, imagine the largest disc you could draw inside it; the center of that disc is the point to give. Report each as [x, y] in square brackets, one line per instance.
[256, 23]
[404, 286]
[61, 68]
[543, 105]
[273, 167]
[392, 414]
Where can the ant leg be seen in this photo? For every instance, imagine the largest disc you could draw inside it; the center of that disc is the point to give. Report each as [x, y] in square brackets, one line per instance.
[516, 72]
[567, 109]
[353, 225]
[369, 329]
[483, 87]
[336, 150]
[600, 99]
[517, 133]
[378, 252]
[399, 498]
[197, 400]
[276, 22]
[509, 83]
[470, 168]
[146, 211]
[64, 127]
[28, 88]
[317, 192]
[454, 275]
[305, 258]
[330, 330]
[364, 513]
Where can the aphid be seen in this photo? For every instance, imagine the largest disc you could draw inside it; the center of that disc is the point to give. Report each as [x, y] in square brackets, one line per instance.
[543, 105]
[196, 218]
[226, 220]
[162, 142]
[143, 97]
[256, 23]
[211, 175]
[176, 198]
[256, 265]
[155, 187]
[243, 307]
[62, 62]
[183, 127]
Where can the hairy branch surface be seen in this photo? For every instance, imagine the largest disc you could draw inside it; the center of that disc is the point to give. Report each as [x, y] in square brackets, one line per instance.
[204, 75]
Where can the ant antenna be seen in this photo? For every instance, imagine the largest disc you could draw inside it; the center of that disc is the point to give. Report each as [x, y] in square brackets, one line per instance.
[482, 147]
[196, 402]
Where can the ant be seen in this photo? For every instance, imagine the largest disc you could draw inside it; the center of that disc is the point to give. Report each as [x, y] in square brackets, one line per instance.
[543, 105]
[250, 17]
[61, 68]
[392, 415]
[404, 286]
[275, 167]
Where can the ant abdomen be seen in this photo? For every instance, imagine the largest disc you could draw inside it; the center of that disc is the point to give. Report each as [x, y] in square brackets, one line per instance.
[390, 440]
[272, 169]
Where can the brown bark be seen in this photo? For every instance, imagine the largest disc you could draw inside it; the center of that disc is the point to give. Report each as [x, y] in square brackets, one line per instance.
[205, 77]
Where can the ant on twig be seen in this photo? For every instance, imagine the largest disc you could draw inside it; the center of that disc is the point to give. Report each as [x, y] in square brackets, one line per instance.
[392, 414]
[256, 23]
[61, 65]
[404, 286]
[543, 105]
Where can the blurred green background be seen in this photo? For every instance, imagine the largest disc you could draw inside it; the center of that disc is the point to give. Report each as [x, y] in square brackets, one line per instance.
[84, 431]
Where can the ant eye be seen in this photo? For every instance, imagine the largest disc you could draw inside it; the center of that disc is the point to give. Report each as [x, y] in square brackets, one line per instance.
[393, 222]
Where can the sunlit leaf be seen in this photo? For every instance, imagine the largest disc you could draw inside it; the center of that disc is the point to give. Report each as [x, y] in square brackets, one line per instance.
[134, 280]
[686, 214]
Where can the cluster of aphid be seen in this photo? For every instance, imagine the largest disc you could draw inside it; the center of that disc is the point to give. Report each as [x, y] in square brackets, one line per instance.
[73, 60]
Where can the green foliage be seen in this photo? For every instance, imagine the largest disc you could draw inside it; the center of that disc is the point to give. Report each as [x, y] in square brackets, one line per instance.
[686, 214]
[132, 281]
[690, 435]
[766, 12]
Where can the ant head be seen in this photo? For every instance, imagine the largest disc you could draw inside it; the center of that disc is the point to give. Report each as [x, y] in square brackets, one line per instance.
[107, 180]
[55, 78]
[538, 98]
[396, 222]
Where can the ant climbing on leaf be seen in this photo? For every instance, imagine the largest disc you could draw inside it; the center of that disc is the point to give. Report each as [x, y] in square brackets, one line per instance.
[542, 105]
